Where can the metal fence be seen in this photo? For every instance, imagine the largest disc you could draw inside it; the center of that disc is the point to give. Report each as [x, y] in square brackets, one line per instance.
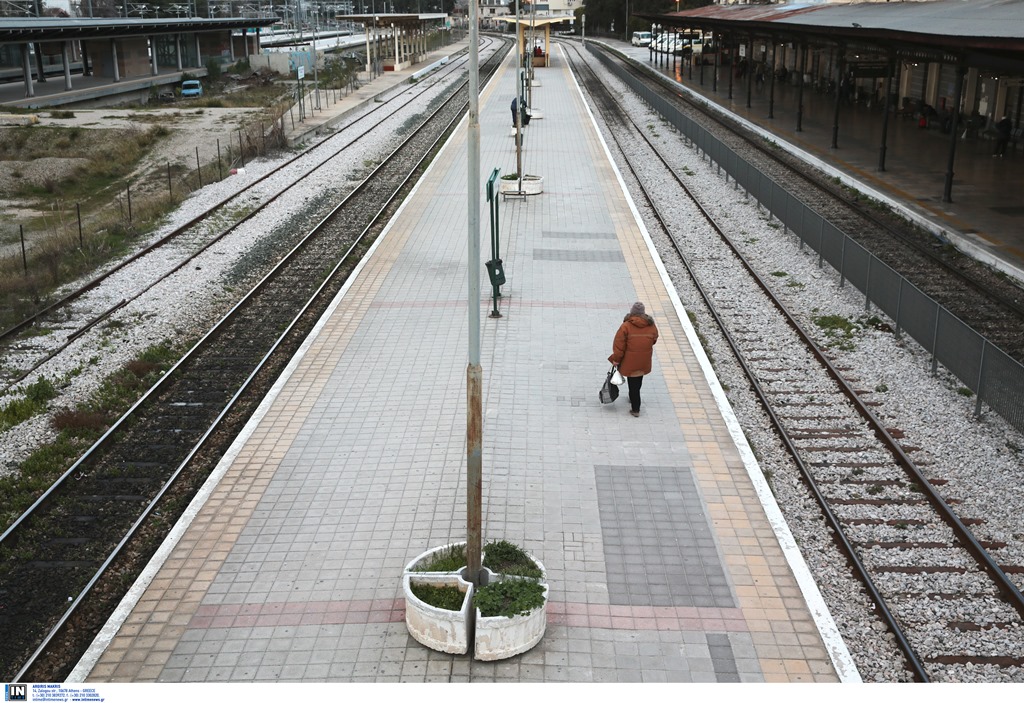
[996, 379]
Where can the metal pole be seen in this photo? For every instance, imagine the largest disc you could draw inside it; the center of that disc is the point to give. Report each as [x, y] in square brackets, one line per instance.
[24, 258]
[947, 191]
[199, 169]
[474, 374]
[170, 189]
[889, 70]
[220, 171]
[128, 188]
[78, 209]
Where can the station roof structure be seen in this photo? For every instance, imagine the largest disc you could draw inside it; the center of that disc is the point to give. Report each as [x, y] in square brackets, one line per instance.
[381, 19]
[45, 29]
[533, 22]
[982, 33]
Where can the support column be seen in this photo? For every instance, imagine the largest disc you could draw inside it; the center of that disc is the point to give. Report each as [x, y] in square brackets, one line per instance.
[199, 53]
[366, 32]
[801, 61]
[152, 51]
[714, 75]
[245, 45]
[734, 53]
[177, 51]
[890, 69]
[771, 85]
[840, 68]
[750, 68]
[947, 192]
[26, 63]
[40, 68]
[113, 55]
[701, 58]
[67, 64]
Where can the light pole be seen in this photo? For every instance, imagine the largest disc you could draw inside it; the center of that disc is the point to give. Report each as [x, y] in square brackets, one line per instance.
[474, 373]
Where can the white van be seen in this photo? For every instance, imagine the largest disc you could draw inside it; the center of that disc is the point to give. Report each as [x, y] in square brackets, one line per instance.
[641, 38]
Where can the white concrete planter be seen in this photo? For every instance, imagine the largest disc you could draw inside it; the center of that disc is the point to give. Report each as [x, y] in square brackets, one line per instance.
[501, 637]
[532, 185]
[441, 630]
[447, 630]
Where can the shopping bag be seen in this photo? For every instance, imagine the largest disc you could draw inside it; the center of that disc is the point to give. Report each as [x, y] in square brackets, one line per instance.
[609, 391]
[617, 378]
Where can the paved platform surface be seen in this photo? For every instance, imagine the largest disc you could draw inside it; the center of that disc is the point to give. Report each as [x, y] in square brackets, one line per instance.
[986, 215]
[667, 558]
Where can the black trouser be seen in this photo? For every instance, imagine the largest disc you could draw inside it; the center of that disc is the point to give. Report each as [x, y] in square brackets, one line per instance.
[634, 383]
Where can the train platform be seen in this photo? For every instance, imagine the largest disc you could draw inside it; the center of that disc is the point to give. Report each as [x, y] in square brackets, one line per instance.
[986, 213]
[667, 557]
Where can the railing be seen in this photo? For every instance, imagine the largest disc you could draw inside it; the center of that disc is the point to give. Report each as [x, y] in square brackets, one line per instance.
[995, 378]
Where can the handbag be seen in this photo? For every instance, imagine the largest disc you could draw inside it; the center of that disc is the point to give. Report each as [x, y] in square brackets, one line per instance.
[617, 378]
[609, 391]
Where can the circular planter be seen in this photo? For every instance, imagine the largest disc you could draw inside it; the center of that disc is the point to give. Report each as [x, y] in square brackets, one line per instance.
[532, 185]
[502, 637]
[447, 630]
[440, 629]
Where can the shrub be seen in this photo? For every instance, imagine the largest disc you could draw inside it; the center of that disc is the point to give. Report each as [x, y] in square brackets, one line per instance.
[446, 597]
[503, 557]
[509, 597]
[451, 558]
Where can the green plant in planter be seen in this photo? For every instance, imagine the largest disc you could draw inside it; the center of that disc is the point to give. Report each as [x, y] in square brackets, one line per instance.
[445, 597]
[451, 558]
[503, 557]
[509, 597]
[515, 176]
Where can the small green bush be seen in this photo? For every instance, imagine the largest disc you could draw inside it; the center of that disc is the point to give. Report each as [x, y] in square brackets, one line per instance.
[451, 558]
[445, 597]
[503, 557]
[37, 395]
[509, 597]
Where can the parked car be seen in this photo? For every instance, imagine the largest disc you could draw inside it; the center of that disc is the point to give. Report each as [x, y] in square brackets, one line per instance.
[191, 89]
[641, 39]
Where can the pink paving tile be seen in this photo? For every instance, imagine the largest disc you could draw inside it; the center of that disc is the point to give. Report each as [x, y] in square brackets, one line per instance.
[312, 618]
[200, 622]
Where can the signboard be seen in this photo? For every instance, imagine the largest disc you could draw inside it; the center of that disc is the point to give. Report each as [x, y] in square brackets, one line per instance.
[302, 72]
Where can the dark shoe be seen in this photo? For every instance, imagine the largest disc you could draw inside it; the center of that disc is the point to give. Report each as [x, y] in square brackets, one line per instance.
[634, 413]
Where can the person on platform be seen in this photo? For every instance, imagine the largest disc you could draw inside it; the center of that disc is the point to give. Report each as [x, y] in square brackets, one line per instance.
[1004, 128]
[633, 351]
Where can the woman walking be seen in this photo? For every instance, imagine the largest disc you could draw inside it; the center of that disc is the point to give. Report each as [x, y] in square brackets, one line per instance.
[633, 350]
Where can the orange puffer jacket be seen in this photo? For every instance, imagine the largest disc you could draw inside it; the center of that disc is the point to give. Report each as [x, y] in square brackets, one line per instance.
[634, 345]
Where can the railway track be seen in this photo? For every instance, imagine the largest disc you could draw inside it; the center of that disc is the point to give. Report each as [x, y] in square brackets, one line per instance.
[67, 561]
[989, 303]
[943, 594]
[79, 310]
